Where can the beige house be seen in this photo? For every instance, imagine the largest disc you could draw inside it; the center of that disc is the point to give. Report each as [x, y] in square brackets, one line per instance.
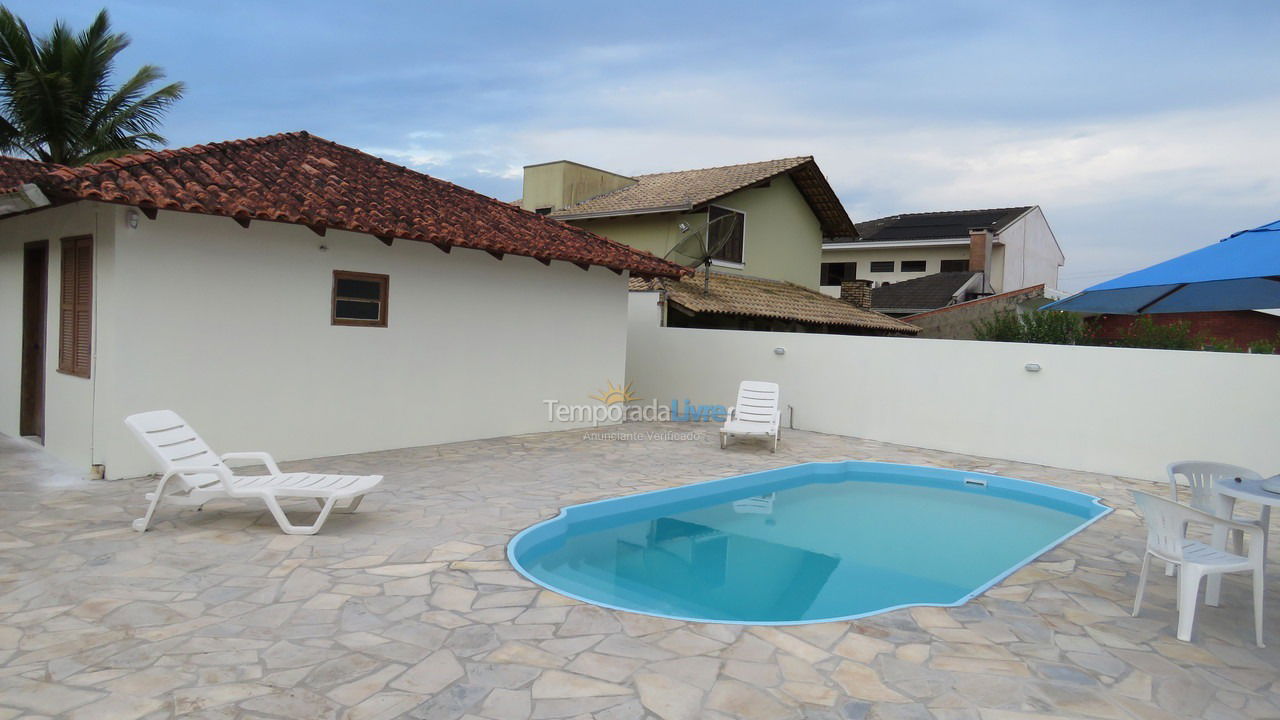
[759, 227]
[777, 213]
[1012, 247]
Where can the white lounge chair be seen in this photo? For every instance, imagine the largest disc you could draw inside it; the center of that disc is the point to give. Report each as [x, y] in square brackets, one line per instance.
[200, 475]
[755, 413]
[1166, 523]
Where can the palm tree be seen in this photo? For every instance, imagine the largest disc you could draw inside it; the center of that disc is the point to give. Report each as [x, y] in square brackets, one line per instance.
[56, 100]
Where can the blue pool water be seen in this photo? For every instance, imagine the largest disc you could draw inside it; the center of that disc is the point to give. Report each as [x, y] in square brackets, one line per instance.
[807, 543]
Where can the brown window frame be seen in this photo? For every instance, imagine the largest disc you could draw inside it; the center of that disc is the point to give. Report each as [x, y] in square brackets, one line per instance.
[75, 307]
[384, 282]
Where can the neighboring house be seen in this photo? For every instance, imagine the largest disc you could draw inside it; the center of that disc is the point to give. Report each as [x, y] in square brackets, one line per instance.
[291, 294]
[737, 302]
[777, 212]
[1013, 248]
[957, 322]
[768, 219]
[1241, 327]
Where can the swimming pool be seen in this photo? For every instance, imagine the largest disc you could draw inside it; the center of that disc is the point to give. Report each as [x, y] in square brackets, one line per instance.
[801, 544]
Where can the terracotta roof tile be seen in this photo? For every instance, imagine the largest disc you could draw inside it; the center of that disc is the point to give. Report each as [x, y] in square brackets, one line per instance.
[758, 297]
[19, 171]
[302, 179]
[687, 189]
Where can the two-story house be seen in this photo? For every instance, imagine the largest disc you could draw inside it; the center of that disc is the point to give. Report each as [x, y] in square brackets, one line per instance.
[1011, 248]
[764, 224]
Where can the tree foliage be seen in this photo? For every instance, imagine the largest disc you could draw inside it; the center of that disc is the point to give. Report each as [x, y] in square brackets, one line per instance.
[57, 101]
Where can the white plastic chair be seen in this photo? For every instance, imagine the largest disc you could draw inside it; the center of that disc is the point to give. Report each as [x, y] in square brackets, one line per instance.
[755, 413]
[1167, 523]
[1202, 477]
[198, 475]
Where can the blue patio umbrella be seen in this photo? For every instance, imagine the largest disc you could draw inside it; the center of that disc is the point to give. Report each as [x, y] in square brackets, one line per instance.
[1241, 272]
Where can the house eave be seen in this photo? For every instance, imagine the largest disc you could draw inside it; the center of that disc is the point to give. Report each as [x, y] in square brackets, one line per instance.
[881, 244]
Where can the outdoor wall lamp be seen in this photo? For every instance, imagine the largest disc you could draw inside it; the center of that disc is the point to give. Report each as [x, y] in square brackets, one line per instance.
[1032, 367]
[131, 218]
[779, 351]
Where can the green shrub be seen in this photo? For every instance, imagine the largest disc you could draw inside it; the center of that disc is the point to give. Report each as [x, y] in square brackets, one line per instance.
[1147, 333]
[1048, 327]
[1262, 347]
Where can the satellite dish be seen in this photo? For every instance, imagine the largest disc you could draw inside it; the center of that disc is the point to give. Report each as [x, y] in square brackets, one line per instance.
[700, 245]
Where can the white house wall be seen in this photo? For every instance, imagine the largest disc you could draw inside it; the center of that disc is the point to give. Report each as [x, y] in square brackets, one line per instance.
[231, 328]
[68, 400]
[932, 256]
[1030, 254]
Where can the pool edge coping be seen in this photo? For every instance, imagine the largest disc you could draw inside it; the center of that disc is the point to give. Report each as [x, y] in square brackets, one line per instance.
[1094, 500]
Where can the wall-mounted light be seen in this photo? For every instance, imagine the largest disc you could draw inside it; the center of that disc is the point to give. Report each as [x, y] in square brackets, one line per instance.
[131, 218]
[323, 247]
[1032, 367]
[779, 351]
[684, 227]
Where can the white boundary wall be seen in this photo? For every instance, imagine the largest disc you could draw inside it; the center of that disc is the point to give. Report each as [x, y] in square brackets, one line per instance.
[1108, 410]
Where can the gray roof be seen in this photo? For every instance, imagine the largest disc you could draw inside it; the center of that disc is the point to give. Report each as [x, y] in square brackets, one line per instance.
[924, 293]
[937, 225]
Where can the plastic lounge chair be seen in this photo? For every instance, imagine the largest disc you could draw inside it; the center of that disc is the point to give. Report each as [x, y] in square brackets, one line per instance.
[755, 413]
[1201, 478]
[195, 475]
[1167, 523]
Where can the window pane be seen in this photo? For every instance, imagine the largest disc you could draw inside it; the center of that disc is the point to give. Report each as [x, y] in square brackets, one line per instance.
[955, 265]
[837, 272]
[357, 310]
[882, 266]
[365, 289]
[913, 266]
[725, 231]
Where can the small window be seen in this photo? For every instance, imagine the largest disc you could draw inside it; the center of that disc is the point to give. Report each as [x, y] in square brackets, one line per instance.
[882, 266]
[835, 273]
[725, 232]
[360, 298]
[913, 265]
[75, 307]
[955, 265]
[543, 211]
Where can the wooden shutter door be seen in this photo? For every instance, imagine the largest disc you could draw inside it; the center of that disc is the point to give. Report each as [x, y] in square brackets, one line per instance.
[75, 311]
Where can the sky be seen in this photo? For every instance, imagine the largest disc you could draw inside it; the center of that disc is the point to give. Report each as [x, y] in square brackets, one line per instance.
[1143, 129]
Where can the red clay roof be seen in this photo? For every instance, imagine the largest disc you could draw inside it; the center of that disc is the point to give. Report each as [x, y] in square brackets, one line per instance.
[302, 179]
[19, 171]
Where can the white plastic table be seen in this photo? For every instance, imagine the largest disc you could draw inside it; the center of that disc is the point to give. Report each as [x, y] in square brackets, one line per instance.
[1225, 496]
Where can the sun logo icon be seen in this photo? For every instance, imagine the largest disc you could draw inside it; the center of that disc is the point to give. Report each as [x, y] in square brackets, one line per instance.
[615, 394]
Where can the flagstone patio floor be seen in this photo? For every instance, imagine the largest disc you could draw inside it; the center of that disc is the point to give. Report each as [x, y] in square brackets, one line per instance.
[410, 609]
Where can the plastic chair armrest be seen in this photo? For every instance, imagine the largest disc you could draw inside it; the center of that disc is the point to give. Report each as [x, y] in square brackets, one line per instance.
[262, 457]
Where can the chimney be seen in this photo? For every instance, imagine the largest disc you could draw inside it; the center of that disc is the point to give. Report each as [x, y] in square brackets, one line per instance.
[980, 251]
[856, 293]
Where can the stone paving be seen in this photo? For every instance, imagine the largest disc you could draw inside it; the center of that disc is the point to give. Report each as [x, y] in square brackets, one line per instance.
[409, 608]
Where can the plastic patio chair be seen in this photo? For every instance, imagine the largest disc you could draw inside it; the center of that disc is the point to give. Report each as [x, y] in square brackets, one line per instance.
[1201, 477]
[1167, 523]
[198, 475]
[755, 413]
